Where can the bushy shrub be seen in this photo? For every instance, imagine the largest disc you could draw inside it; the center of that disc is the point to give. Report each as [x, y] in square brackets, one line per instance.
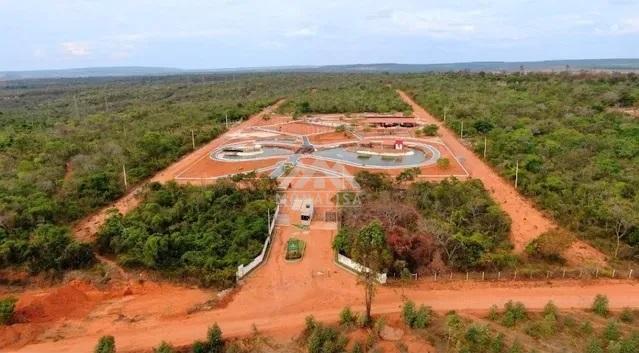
[551, 310]
[7, 307]
[600, 305]
[416, 318]
[627, 315]
[326, 340]
[106, 344]
[215, 341]
[443, 163]
[430, 130]
[310, 324]
[614, 347]
[630, 344]
[347, 317]
[514, 312]
[493, 313]
[594, 346]
[550, 246]
[164, 348]
[586, 328]
[611, 331]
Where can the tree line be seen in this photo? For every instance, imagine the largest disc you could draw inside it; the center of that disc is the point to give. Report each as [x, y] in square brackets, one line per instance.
[577, 155]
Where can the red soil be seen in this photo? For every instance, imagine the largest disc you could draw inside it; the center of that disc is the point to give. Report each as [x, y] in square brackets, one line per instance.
[330, 137]
[300, 128]
[207, 169]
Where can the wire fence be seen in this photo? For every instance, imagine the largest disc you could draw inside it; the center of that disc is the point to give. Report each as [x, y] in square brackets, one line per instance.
[520, 275]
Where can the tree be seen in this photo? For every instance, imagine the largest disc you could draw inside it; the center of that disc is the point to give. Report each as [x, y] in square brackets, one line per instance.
[106, 344]
[624, 217]
[600, 305]
[408, 174]
[443, 163]
[483, 126]
[430, 130]
[370, 250]
[215, 341]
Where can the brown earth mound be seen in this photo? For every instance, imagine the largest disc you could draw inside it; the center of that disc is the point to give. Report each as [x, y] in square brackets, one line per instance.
[69, 301]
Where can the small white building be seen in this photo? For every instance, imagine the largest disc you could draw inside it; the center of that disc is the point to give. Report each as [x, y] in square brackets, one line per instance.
[305, 208]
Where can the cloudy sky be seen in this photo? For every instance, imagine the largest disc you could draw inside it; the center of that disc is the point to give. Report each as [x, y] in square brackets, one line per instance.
[244, 33]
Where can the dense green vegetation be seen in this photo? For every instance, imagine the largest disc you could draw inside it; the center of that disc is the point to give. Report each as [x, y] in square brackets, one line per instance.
[431, 226]
[7, 307]
[346, 94]
[201, 232]
[106, 344]
[577, 158]
[63, 143]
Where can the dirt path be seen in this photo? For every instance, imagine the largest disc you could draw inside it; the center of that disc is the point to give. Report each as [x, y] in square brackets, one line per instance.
[282, 315]
[86, 228]
[527, 222]
[278, 296]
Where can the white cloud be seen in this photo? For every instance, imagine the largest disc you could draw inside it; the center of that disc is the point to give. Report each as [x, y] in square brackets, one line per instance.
[303, 32]
[437, 23]
[76, 48]
[625, 26]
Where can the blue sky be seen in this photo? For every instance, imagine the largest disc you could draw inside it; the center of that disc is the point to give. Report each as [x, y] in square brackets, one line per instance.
[241, 33]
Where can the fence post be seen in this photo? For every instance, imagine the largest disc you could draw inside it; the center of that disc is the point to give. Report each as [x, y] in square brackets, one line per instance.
[435, 276]
[451, 275]
[564, 274]
[547, 274]
[630, 274]
[597, 273]
[515, 278]
[498, 275]
[483, 275]
[613, 273]
[467, 275]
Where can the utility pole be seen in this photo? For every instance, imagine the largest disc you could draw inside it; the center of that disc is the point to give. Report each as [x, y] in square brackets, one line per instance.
[485, 146]
[516, 174]
[445, 111]
[126, 184]
[462, 130]
[193, 138]
[226, 118]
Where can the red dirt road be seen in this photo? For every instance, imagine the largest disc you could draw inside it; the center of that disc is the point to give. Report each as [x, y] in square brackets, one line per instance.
[279, 295]
[527, 222]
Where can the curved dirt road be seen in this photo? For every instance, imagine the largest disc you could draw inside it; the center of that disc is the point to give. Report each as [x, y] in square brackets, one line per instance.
[278, 296]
